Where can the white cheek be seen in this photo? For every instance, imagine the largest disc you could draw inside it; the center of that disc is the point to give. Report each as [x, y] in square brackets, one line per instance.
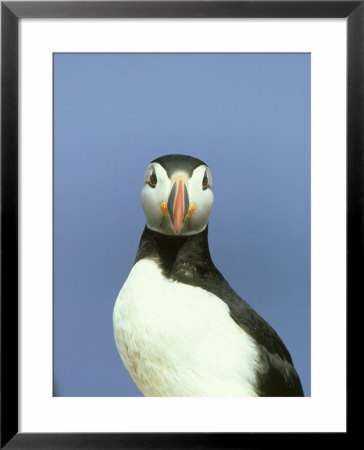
[151, 200]
[203, 201]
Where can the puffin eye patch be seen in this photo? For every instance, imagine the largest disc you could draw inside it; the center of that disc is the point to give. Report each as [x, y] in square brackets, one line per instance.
[205, 181]
[152, 180]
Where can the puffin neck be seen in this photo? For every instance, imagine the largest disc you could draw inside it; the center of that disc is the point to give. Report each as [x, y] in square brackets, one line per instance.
[178, 256]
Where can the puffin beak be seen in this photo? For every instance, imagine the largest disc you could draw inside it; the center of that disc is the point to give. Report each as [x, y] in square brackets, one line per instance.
[178, 204]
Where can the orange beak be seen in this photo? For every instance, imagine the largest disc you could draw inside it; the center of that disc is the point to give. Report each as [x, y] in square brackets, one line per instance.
[178, 204]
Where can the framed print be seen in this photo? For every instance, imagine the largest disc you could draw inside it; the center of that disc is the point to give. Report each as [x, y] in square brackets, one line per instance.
[268, 96]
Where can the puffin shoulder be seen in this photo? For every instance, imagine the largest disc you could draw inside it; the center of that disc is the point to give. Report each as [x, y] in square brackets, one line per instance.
[276, 375]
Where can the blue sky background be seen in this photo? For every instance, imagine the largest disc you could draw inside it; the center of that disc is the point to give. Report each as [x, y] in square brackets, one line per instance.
[248, 117]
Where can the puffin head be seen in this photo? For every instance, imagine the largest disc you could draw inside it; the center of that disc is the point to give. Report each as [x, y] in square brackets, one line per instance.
[177, 196]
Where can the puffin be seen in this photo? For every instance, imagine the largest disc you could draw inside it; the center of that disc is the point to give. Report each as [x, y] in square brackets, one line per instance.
[179, 327]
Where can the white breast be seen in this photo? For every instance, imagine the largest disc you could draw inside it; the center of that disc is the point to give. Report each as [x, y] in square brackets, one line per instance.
[179, 340]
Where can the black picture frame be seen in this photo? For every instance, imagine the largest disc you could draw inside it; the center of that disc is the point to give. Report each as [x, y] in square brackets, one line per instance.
[11, 12]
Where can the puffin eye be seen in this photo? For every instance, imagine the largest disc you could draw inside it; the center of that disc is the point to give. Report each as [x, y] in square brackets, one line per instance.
[152, 180]
[205, 181]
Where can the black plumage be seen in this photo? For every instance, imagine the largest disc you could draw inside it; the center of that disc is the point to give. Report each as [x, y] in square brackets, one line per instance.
[173, 162]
